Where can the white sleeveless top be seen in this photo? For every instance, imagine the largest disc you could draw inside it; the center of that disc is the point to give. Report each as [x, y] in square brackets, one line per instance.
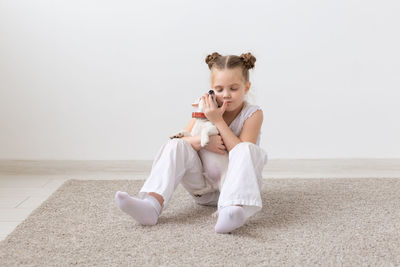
[237, 124]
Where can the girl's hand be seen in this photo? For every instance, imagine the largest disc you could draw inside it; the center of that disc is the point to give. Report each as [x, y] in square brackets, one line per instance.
[216, 145]
[212, 112]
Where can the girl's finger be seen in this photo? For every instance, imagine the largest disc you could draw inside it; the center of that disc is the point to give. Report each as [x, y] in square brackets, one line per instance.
[208, 102]
[211, 100]
[204, 100]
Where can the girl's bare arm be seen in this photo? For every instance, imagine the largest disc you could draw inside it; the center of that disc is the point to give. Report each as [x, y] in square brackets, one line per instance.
[249, 133]
[193, 140]
[215, 145]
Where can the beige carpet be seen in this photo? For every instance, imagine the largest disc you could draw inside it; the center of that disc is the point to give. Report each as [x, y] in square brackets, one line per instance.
[345, 222]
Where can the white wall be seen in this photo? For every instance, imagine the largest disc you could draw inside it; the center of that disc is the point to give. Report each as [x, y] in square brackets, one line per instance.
[113, 79]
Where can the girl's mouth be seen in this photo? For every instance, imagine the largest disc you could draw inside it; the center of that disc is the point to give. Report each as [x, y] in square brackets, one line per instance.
[220, 104]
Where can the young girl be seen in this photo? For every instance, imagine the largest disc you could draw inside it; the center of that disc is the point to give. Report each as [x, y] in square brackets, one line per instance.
[239, 125]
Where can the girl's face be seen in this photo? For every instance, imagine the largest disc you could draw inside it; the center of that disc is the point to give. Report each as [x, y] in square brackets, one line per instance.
[229, 85]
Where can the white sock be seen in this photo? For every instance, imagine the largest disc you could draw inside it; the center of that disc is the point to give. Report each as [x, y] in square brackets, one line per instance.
[145, 211]
[229, 218]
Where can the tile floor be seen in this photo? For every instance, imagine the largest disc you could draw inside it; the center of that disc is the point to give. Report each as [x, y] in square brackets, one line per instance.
[20, 195]
[25, 185]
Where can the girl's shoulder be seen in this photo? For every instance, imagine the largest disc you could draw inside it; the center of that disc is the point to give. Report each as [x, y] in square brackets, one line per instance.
[246, 112]
[237, 125]
[249, 110]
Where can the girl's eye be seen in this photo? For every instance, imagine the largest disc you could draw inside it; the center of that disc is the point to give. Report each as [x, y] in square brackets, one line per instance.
[233, 89]
[219, 91]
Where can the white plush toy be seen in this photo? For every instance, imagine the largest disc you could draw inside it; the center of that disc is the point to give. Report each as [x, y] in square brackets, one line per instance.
[214, 165]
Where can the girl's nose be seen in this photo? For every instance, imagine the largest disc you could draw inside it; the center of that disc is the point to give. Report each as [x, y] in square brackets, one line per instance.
[226, 94]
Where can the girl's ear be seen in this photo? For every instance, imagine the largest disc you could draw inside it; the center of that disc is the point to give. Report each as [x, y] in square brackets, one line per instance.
[246, 90]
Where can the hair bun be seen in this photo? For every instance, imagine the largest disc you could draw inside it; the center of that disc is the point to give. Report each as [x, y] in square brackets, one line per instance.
[210, 59]
[248, 60]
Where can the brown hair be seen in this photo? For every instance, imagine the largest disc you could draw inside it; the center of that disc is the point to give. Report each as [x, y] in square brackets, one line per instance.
[244, 61]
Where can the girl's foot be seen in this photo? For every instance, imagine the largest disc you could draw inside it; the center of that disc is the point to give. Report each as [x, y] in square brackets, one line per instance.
[144, 211]
[229, 219]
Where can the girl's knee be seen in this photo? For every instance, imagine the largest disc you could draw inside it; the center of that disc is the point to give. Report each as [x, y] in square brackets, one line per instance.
[246, 144]
[175, 141]
[243, 147]
[249, 149]
[178, 142]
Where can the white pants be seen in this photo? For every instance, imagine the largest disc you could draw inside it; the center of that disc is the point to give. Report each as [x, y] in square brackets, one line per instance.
[177, 162]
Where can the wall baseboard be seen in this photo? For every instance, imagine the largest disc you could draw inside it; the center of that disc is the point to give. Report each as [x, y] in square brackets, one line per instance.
[37, 167]
[275, 168]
